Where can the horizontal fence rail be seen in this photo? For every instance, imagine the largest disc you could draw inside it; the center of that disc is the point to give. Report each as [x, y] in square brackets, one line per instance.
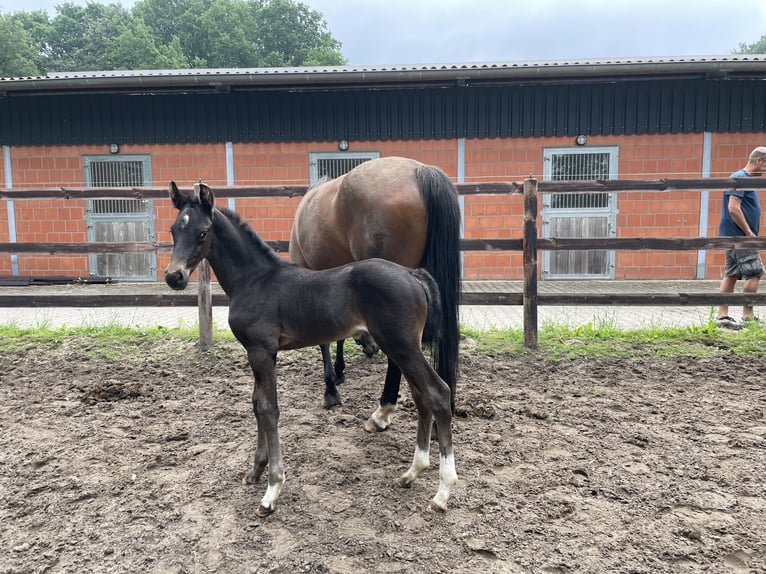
[579, 186]
[529, 244]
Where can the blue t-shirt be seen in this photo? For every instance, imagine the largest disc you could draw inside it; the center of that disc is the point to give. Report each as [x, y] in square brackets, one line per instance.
[751, 208]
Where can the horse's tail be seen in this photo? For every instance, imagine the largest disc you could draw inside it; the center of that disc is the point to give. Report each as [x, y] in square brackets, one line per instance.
[442, 260]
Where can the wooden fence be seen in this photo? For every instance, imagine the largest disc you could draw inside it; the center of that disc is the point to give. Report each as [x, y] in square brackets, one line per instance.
[530, 244]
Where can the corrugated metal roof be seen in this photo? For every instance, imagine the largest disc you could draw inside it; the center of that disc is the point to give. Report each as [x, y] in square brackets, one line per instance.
[391, 74]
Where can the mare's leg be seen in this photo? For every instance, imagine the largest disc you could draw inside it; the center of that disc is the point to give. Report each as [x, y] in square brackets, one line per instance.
[380, 420]
[266, 411]
[432, 399]
[331, 394]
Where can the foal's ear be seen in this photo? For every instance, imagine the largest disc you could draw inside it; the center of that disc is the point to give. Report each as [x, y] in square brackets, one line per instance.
[206, 197]
[176, 196]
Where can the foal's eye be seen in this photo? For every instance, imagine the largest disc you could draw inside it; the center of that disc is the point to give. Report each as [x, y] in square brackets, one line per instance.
[203, 235]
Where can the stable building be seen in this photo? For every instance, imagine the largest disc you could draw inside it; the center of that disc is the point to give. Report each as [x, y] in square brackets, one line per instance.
[690, 117]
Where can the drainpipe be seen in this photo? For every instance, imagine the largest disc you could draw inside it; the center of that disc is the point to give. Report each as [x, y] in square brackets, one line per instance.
[707, 149]
[232, 201]
[10, 208]
[461, 198]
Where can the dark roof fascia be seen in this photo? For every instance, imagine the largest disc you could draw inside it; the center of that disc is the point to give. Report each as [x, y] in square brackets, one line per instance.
[322, 77]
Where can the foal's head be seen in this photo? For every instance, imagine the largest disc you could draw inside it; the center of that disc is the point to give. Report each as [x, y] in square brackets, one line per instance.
[192, 232]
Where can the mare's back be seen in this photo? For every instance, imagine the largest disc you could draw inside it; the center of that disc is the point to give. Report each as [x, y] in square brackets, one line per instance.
[383, 211]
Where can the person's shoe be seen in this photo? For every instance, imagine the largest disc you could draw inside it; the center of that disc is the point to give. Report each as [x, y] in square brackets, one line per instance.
[727, 323]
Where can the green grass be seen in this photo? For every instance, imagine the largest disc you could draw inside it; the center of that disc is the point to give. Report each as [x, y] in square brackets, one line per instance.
[605, 340]
[602, 339]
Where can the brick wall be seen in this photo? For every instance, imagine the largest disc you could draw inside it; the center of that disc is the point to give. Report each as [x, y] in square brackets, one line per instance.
[645, 214]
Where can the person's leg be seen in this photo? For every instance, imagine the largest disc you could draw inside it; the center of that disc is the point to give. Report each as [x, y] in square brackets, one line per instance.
[749, 286]
[751, 269]
[727, 286]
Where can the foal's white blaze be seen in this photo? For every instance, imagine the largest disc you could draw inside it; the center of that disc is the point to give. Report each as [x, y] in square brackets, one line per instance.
[447, 479]
[184, 221]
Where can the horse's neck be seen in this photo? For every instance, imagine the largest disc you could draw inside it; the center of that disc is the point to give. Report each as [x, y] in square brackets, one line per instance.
[235, 256]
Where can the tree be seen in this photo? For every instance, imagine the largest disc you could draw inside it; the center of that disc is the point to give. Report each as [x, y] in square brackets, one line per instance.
[80, 37]
[18, 49]
[135, 49]
[165, 34]
[758, 47]
[242, 33]
[290, 34]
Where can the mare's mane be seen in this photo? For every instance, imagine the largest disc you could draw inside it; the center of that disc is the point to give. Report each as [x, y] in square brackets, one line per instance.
[254, 238]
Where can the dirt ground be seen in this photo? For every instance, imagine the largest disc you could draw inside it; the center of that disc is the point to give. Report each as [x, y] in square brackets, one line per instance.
[131, 461]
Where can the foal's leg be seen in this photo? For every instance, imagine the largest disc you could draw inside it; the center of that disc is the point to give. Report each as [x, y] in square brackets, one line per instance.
[432, 399]
[380, 420]
[340, 364]
[266, 412]
[331, 394]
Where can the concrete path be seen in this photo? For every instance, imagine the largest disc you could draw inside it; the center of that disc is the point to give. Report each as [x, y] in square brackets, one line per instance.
[480, 317]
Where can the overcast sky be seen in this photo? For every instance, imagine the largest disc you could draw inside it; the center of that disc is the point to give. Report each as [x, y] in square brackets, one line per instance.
[379, 32]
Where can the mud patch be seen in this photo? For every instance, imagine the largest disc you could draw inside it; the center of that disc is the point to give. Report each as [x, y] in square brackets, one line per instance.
[603, 465]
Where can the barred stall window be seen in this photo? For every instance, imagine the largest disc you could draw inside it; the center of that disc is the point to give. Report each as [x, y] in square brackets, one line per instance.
[332, 165]
[120, 220]
[588, 214]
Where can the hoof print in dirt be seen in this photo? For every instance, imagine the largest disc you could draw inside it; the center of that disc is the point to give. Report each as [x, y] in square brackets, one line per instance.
[112, 391]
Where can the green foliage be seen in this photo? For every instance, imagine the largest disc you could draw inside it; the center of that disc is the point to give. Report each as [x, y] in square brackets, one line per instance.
[758, 47]
[166, 34]
[18, 56]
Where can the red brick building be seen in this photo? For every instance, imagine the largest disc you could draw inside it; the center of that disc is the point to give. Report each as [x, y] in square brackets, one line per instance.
[641, 119]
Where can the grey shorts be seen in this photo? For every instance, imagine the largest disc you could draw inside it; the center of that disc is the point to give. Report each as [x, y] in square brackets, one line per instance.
[743, 263]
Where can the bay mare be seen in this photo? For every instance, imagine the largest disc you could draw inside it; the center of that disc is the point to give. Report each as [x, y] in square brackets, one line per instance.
[394, 208]
[276, 305]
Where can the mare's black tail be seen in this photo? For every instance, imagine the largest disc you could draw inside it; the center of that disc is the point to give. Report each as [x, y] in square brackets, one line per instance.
[442, 260]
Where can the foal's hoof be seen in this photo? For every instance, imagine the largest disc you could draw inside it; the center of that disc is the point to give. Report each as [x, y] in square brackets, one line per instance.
[263, 512]
[331, 401]
[433, 507]
[405, 481]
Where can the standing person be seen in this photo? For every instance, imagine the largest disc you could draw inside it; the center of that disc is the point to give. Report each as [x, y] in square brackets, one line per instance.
[741, 216]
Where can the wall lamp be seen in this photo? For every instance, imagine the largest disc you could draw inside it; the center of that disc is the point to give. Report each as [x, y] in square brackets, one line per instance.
[342, 145]
[114, 148]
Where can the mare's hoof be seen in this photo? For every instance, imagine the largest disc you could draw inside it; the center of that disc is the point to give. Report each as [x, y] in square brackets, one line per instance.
[263, 512]
[250, 478]
[372, 425]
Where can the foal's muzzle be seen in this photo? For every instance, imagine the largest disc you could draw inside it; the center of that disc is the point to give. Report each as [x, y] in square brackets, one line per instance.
[177, 278]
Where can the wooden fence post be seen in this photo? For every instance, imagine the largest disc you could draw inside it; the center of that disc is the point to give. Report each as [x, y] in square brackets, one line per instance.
[205, 306]
[530, 263]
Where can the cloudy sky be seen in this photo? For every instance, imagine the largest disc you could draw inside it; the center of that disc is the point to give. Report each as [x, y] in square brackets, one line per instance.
[379, 32]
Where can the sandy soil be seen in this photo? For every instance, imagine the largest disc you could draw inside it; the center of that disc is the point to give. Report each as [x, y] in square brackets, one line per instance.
[131, 461]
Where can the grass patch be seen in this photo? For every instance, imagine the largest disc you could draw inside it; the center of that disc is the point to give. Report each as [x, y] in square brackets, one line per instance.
[603, 339]
[600, 339]
[109, 340]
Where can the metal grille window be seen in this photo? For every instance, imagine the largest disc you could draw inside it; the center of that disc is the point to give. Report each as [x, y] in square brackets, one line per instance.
[332, 165]
[582, 167]
[120, 220]
[582, 215]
